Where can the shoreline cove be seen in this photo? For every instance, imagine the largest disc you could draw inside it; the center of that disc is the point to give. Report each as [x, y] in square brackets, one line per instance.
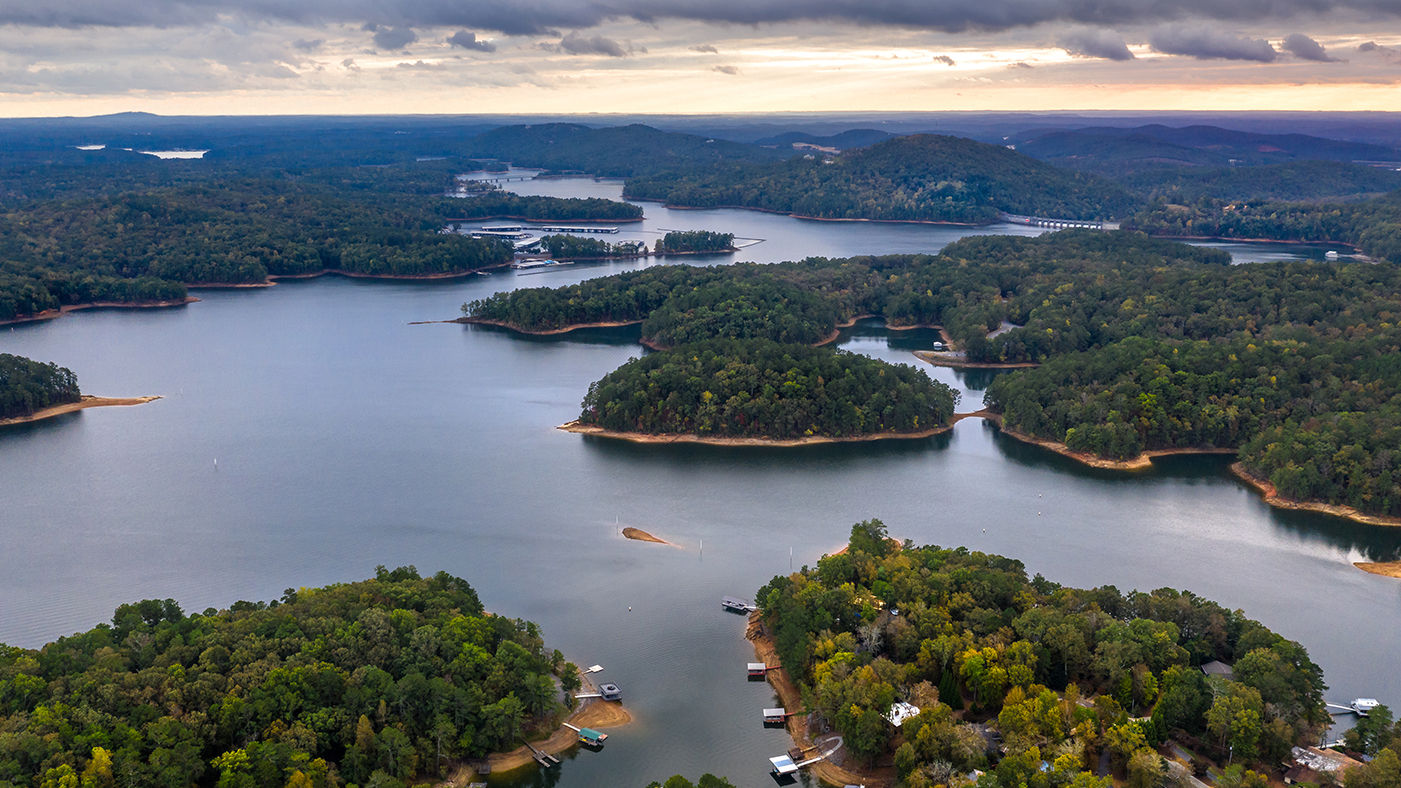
[50, 314]
[642, 437]
[1145, 459]
[88, 401]
[1273, 498]
[593, 713]
[790, 697]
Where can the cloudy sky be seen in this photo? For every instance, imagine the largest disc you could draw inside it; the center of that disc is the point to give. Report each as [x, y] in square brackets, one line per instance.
[564, 56]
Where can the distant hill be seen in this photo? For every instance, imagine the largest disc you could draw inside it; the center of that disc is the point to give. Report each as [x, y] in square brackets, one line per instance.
[1116, 151]
[924, 177]
[1295, 181]
[616, 151]
[853, 138]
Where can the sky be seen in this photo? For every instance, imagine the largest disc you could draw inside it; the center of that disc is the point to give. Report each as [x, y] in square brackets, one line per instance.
[87, 57]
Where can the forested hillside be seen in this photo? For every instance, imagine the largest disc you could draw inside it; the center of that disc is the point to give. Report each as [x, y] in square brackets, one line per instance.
[1025, 679]
[387, 680]
[1374, 225]
[617, 151]
[1114, 151]
[1303, 181]
[918, 178]
[27, 386]
[731, 388]
[115, 226]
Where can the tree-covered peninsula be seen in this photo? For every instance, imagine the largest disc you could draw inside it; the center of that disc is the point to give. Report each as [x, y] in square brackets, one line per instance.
[27, 386]
[480, 203]
[728, 388]
[1027, 680]
[113, 231]
[1144, 344]
[379, 682]
[924, 177]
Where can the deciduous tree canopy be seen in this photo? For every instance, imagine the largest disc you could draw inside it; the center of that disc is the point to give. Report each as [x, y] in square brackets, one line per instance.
[371, 682]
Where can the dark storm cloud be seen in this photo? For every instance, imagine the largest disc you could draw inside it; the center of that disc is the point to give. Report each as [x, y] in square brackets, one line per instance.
[538, 17]
[466, 39]
[392, 37]
[1305, 48]
[308, 45]
[1089, 42]
[1208, 44]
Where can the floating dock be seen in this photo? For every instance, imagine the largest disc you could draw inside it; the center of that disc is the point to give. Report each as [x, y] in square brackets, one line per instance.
[541, 757]
[588, 736]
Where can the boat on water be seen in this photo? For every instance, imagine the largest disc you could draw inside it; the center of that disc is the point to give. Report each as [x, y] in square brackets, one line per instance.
[1364, 705]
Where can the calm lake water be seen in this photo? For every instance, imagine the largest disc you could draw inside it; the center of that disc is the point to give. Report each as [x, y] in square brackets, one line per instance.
[346, 438]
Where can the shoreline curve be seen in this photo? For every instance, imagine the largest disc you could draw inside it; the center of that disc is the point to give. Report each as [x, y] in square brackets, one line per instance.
[50, 314]
[88, 401]
[791, 698]
[592, 713]
[643, 437]
[1273, 498]
[1144, 461]
[1383, 568]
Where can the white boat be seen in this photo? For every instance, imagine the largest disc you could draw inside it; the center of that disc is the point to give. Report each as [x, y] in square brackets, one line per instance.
[1364, 705]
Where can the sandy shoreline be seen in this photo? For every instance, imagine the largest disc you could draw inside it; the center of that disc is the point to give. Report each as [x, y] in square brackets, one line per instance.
[50, 314]
[592, 713]
[1383, 568]
[560, 222]
[1273, 498]
[274, 278]
[640, 535]
[1145, 460]
[940, 223]
[481, 321]
[88, 401]
[791, 698]
[941, 360]
[1141, 462]
[642, 437]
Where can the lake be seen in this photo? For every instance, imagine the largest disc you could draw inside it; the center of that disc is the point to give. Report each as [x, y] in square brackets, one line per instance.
[347, 438]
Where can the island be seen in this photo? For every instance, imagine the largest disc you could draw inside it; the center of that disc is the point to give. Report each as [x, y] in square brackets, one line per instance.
[931, 663]
[758, 392]
[389, 680]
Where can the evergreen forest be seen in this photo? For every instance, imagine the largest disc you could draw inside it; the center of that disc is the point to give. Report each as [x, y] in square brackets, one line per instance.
[27, 386]
[383, 682]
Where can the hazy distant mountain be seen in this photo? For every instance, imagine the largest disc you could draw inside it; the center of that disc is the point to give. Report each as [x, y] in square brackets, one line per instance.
[1116, 150]
[853, 138]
